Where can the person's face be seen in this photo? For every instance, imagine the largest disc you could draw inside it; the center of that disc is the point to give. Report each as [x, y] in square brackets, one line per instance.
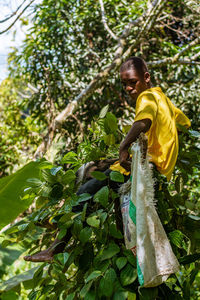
[134, 84]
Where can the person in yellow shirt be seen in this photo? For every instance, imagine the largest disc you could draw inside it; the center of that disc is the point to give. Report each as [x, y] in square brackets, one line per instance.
[155, 115]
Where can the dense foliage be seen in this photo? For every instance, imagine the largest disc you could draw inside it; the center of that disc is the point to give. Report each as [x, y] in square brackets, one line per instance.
[66, 47]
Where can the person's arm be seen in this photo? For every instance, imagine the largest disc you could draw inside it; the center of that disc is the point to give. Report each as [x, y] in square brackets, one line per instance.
[133, 134]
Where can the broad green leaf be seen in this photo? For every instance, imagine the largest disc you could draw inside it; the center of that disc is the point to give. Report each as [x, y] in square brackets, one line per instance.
[84, 197]
[45, 165]
[102, 196]
[116, 176]
[148, 294]
[93, 221]
[85, 289]
[98, 175]
[110, 123]
[34, 182]
[68, 177]
[109, 252]
[188, 259]
[128, 275]
[194, 217]
[70, 296]
[77, 227]
[55, 170]
[95, 274]
[85, 234]
[10, 191]
[131, 258]
[177, 238]
[106, 284]
[109, 139]
[14, 281]
[115, 232]
[62, 233]
[47, 176]
[120, 295]
[103, 111]
[91, 295]
[62, 257]
[121, 262]
[70, 158]
[194, 133]
[10, 295]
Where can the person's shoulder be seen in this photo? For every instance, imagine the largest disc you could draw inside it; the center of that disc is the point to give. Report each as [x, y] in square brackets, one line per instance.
[150, 95]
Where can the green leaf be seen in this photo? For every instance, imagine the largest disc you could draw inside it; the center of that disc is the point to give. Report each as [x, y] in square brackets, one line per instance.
[103, 111]
[62, 233]
[121, 295]
[91, 295]
[10, 199]
[121, 262]
[115, 232]
[131, 258]
[10, 295]
[148, 294]
[109, 252]
[47, 176]
[85, 234]
[102, 196]
[95, 274]
[70, 296]
[62, 257]
[109, 139]
[70, 158]
[128, 275]
[84, 197]
[188, 259]
[110, 123]
[34, 182]
[116, 176]
[45, 165]
[93, 221]
[14, 281]
[77, 227]
[106, 284]
[85, 289]
[194, 133]
[68, 177]
[98, 175]
[177, 238]
[55, 170]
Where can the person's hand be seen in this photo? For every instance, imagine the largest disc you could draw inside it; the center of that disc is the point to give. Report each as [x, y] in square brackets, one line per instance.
[123, 159]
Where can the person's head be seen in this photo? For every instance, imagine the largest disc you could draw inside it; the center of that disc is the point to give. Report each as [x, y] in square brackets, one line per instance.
[135, 77]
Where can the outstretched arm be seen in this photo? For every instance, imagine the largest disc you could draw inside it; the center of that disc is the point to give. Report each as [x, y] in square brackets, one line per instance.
[133, 134]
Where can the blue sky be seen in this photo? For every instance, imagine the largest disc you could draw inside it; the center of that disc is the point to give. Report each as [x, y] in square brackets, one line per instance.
[7, 40]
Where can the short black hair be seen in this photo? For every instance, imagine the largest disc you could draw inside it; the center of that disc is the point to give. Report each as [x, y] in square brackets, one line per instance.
[135, 63]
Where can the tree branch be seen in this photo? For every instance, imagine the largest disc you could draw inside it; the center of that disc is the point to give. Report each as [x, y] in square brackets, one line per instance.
[176, 59]
[11, 25]
[14, 13]
[104, 21]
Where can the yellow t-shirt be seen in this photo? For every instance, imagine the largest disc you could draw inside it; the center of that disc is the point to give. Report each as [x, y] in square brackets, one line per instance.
[162, 136]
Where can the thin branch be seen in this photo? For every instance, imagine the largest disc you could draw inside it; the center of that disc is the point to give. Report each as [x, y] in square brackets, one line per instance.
[105, 22]
[188, 47]
[13, 14]
[176, 59]
[11, 25]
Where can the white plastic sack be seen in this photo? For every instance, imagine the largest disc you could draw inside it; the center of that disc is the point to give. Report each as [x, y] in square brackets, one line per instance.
[143, 231]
